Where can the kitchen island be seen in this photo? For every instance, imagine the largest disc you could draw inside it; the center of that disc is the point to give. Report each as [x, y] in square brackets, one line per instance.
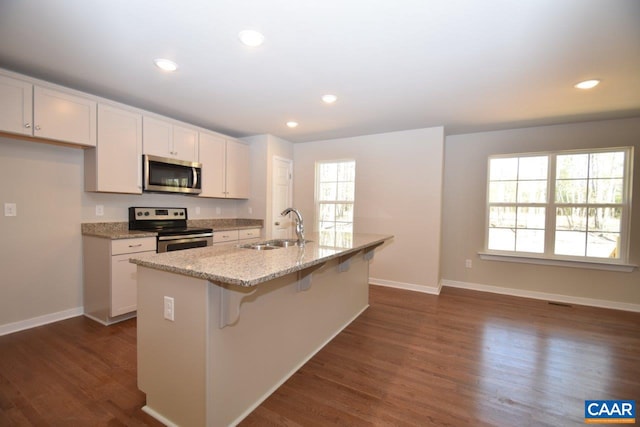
[244, 320]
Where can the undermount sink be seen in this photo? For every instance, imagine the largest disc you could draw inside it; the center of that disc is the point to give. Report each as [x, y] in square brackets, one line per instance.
[272, 244]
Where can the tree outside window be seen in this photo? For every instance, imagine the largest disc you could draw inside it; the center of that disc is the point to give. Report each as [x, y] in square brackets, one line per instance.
[563, 205]
[335, 197]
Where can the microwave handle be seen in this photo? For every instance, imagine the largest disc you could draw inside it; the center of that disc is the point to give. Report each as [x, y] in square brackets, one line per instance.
[195, 177]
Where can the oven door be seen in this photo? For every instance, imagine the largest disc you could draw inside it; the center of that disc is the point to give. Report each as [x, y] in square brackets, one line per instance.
[178, 243]
[171, 175]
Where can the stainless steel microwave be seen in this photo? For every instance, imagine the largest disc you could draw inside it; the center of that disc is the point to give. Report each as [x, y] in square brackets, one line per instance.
[162, 174]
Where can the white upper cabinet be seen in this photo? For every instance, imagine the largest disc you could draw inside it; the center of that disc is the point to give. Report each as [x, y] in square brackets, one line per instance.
[238, 167]
[212, 157]
[164, 139]
[64, 117]
[16, 106]
[41, 112]
[115, 165]
[225, 167]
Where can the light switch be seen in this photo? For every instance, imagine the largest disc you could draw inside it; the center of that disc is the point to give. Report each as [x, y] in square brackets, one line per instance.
[99, 210]
[10, 209]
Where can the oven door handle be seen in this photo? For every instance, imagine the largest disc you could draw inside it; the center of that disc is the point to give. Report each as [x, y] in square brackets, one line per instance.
[186, 236]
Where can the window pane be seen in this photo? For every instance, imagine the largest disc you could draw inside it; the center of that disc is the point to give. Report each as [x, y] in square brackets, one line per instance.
[502, 217]
[532, 191]
[571, 219]
[531, 218]
[327, 238]
[345, 191]
[327, 212]
[571, 191]
[328, 172]
[607, 165]
[572, 166]
[533, 167]
[530, 240]
[605, 190]
[603, 245]
[502, 192]
[570, 243]
[346, 171]
[503, 169]
[327, 192]
[605, 219]
[502, 239]
[344, 212]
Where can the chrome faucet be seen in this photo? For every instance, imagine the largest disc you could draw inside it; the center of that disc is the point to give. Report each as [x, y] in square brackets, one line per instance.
[299, 223]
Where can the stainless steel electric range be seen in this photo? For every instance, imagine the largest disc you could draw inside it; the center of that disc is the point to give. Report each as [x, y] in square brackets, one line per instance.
[171, 226]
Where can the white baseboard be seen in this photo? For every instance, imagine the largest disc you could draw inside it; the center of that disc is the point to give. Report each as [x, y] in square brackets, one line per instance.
[567, 299]
[433, 290]
[10, 328]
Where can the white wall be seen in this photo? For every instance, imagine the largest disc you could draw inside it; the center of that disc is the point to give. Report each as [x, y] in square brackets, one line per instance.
[41, 248]
[398, 191]
[464, 212]
[263, 149]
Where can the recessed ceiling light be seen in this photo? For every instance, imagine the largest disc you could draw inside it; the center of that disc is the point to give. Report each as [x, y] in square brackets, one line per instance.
[587, 84]
[165, 64]
[329, 99]
[292, 124]
[251, 38]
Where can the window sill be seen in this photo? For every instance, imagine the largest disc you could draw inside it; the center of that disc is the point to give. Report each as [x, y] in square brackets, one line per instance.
[528, 259]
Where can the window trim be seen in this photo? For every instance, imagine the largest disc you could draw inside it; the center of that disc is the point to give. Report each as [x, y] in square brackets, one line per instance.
[318, 202]
[548, 257]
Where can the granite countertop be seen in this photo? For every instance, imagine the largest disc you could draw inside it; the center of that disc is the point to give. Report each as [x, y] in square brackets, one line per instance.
[120, 230]
[234, 265]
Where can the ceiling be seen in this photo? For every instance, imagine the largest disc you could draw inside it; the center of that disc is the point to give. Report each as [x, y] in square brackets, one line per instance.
[465, 64]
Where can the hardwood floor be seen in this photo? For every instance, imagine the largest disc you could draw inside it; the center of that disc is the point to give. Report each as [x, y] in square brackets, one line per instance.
[462, 358]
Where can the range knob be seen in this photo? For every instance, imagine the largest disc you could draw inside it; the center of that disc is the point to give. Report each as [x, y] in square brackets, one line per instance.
[146, 213]
[175, 214]
[181, 213]
[139, 214]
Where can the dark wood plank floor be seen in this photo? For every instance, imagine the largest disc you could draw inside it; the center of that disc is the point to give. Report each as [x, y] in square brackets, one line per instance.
[463, 358]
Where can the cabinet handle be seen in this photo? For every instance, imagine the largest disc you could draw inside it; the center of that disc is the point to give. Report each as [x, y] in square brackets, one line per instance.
[276, 223]
[27, 125]
[135, 246]
[37, 127]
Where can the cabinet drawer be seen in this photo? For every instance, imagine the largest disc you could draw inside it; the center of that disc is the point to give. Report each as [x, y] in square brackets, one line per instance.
[250, 233]
[129, 246]
[225, 236]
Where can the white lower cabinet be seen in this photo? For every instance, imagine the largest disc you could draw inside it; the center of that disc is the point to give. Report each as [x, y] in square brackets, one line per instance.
[235, 236]
[110, 292]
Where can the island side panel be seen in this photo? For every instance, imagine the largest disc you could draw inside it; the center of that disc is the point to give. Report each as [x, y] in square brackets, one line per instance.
[278, 330]
[172, 354]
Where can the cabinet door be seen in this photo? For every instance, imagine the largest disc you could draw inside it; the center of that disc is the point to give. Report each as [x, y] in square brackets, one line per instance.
[119, 151]
[157, 137]
[185, 143]
[16, 106]
[212, 157]
[64, 117]
[123, 285]
[238, 170]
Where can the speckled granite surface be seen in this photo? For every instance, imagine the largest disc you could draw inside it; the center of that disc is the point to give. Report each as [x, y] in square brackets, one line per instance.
[247, 267]
[120, 230]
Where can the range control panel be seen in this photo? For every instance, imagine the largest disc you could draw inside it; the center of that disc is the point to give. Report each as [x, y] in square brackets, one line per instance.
[158, 213]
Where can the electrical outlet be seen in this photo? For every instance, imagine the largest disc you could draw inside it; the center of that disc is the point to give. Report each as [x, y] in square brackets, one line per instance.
[99, 210]
[10, 209]
[218, 211]
[468, 263]
[169, 311]
[197, 210]
[250, 210]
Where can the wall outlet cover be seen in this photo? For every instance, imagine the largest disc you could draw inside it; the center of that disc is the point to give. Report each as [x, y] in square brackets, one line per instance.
[10, 209]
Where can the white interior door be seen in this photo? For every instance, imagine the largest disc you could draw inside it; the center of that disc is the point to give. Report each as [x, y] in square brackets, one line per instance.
[282, 197]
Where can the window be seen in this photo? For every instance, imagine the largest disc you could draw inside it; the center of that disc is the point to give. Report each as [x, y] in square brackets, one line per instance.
[335, 196]
[572, 205]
